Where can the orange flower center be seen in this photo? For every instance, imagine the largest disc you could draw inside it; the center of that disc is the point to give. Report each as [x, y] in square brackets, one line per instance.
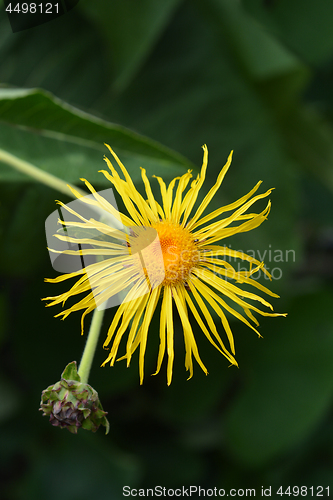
[179, 250]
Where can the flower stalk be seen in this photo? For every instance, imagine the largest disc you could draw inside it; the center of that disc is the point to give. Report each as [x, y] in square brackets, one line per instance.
[37, 173]
[90, 347]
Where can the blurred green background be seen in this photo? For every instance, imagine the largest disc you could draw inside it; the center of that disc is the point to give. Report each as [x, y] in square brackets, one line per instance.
[156, 79]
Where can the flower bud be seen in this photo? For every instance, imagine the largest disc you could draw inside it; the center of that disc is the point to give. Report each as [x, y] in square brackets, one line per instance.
[72, 404]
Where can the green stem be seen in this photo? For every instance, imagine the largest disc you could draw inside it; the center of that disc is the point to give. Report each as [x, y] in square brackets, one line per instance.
[90, 347]
[37, 173]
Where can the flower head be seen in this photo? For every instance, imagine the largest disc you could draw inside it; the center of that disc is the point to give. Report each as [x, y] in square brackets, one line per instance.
[167, 258]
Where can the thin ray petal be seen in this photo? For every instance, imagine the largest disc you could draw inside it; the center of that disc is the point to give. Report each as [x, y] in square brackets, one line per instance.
[197, 186]
[176, 208]
[151, 199]
[226, 222]
[187, 329]
[200, 322]
[163, 324]
[169, 325]
[226, 208]
[211, 323]
[151, 306]
[212, 192]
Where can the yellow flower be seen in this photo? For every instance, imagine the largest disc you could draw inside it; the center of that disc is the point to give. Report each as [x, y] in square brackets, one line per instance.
[183, 266]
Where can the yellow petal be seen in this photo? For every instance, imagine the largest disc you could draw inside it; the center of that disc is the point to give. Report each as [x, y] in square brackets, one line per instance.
[151, 306]
[226, 208]
[207, 315]
[187, 329]
[209, 196]
[169, 324]
[197, 186]
[163, 322]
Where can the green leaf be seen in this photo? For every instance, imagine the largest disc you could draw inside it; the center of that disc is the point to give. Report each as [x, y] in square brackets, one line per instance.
[289, 387]
[303, 25]
[67, 142]
[135, 27]
[310, 141]
[70, 372]
[261, 54]
[65, 56]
